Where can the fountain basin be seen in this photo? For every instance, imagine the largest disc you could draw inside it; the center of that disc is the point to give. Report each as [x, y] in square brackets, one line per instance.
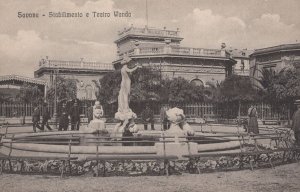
[82, 149]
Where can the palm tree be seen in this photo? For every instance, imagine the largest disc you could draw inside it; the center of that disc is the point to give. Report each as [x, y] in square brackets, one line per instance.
[280, 88]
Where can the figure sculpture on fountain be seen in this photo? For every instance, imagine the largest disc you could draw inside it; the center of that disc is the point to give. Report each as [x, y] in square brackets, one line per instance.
[124, 113]
[96, 124]
[179, 125]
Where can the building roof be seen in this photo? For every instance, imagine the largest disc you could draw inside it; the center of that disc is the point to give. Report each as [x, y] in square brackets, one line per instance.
[240, 53]
[177, 51]
[18, 78]
[61, 64]
[148, 32]
[278, 48]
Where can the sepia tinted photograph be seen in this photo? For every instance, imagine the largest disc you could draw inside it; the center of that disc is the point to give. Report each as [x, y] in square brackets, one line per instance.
[149, 95]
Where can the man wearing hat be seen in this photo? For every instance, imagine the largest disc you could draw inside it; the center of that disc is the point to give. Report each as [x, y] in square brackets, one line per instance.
[63, 118]
[75, 115]
[296, 123]
[36, 118]
[46, 117]
[148, 117]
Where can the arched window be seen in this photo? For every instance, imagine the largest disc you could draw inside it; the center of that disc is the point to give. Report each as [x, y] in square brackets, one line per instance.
[197, 82]
[89, 92]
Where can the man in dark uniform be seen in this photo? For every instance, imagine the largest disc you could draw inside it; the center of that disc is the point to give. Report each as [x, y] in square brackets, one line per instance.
[36, 118]
[163, 117]
[75, 116]
[46, 117]
[296, 123]
[63, 118]
[148, 117]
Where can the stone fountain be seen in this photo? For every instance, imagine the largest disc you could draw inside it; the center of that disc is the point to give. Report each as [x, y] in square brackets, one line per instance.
[96, 127]
[124, 113]
[178, 131]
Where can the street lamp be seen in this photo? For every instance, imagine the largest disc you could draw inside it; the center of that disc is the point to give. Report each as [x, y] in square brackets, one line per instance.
[55, 97]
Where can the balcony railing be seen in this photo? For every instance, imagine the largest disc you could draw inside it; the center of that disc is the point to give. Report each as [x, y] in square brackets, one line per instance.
[150, 51]
[175, 50]
[151, 32]
[75, 65]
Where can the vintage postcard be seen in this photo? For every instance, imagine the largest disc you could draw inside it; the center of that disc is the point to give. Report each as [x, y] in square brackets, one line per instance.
[149, 95]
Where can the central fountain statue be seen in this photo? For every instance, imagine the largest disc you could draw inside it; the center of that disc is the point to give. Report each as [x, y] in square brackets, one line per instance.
[125, 114]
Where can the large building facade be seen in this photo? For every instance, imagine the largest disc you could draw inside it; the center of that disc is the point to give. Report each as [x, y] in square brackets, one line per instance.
[156, 48]
[161, 48]
[85, 73]
[275, 58]
[242, 57]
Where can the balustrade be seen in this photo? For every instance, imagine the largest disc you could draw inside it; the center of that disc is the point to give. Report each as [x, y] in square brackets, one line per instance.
[177, 51]
[156, 32]
[76, 64]
[154, 50]
[212, 52]
[180, 50]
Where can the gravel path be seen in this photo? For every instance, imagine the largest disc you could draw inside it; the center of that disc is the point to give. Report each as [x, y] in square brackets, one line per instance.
[282, 178]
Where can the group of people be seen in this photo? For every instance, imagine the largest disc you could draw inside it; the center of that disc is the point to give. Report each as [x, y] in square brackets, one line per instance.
[45, 118]
[71, 108]
[148, 117]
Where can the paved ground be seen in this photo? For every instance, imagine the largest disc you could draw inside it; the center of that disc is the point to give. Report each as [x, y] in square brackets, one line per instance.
[282, 178]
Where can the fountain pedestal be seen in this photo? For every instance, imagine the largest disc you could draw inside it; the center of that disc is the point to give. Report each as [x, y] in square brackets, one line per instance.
[177, 134]
[176, 148]
[94, 130]
[97, 125]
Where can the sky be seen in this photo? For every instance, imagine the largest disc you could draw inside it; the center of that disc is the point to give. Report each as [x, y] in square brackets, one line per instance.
[241, 24]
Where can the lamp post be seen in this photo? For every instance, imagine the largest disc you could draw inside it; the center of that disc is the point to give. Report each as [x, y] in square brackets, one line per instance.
[55, 98]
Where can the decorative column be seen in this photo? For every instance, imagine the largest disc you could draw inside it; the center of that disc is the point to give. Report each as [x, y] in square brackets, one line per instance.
[81, 62]
[136, 48]
[191, 51]
[55, 99]
[201, 52]
[167, 47]
[45, 91]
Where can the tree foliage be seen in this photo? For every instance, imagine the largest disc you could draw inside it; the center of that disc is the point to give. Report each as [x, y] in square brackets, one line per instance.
[30, 94]
[8, 94]
[212, 92]
[280, 87]
[287, 85]
[108, 87]
[147, 85]
[237, 88]
[66, 89]
[178, 90]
